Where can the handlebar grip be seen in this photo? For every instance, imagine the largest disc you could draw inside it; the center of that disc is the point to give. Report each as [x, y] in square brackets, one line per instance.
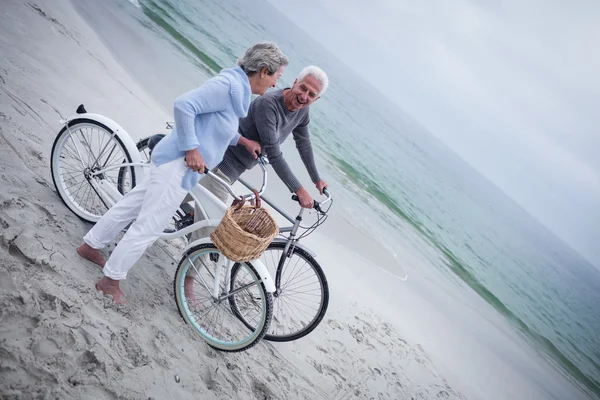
[316, 205]
[206, 170]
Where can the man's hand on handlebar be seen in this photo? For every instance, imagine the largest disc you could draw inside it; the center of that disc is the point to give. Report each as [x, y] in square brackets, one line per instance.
[304, 198]
[195, 161]
[321, 185]
[252, 146]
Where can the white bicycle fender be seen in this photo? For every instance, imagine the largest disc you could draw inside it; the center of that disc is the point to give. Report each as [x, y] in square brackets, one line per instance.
[260, 268]
[119, 132]
[299, 245]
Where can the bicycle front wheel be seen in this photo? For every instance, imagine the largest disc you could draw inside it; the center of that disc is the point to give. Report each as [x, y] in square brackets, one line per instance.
[83, 148]
[302, 297]
[213, 318]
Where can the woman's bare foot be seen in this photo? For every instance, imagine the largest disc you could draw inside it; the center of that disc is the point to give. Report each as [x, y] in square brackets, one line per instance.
[188, 291]
[89, 253]
[111, 287]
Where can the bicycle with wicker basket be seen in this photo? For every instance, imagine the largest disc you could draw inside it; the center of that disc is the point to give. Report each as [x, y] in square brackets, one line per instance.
[95, 162]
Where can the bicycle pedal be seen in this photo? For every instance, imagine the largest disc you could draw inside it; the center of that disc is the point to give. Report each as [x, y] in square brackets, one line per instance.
[184, 216]
[187, 209]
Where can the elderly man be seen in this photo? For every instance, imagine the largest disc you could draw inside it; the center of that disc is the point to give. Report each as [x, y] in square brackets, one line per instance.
[271, 118]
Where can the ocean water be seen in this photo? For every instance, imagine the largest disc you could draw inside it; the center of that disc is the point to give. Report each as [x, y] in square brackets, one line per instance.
[410, 183]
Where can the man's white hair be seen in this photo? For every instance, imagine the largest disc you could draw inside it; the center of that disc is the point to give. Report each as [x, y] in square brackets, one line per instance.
[316, 73]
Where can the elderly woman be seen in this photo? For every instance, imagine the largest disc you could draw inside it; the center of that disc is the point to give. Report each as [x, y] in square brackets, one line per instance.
[206, 123]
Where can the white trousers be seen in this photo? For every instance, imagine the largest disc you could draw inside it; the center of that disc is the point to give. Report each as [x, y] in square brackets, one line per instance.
[151, 204]
[219, 191]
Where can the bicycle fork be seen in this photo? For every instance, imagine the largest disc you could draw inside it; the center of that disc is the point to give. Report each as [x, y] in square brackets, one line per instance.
[221, 262]
[287, 251]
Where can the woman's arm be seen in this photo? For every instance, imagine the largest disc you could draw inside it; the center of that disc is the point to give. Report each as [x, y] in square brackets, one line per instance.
[212, 96]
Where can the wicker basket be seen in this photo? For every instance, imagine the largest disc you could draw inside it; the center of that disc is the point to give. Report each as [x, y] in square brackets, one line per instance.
[245, 232]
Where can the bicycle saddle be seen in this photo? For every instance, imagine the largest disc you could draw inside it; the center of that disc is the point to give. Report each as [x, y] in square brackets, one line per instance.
[153, 141]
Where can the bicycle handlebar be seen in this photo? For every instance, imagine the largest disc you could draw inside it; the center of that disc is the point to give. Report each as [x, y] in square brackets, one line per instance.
[317, 205]
[262, 161]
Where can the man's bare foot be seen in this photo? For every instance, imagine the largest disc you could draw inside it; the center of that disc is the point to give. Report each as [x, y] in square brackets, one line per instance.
[89, 253]
[111, 287]
[188, 291]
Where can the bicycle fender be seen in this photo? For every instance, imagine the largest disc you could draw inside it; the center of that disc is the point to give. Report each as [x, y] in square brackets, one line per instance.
[299, 245]
[258, 265]
[121, 133]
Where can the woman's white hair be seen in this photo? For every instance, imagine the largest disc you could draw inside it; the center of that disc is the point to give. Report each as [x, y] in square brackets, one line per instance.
[262, 55]
[316, 73]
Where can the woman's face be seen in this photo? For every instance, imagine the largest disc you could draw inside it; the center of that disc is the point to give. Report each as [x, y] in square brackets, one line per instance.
[266, 81]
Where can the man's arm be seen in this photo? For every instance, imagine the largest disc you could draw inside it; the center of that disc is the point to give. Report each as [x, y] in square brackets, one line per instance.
[265, 119]
[304, 146]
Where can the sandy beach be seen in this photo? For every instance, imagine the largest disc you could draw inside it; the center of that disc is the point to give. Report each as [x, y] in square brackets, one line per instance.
[383, 337]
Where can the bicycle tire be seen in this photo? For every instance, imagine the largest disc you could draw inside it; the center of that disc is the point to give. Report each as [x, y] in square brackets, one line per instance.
[278, 299]
[255, 333]
[142, 144]
[59, 170]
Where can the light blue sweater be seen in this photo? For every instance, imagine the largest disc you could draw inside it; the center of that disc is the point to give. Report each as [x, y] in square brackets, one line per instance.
[206, 118]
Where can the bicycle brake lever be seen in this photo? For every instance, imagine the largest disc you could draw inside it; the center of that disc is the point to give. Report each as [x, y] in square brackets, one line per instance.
[316, 204]
[317, 207]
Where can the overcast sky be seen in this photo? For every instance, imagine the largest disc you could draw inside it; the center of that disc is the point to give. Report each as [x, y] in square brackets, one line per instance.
[512, 86]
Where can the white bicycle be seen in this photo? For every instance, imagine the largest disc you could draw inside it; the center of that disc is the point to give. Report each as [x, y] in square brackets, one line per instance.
[95, 162]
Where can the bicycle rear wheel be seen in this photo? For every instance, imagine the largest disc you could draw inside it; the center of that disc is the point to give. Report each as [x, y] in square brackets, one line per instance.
[216, 322]
[142, 147]
[302, 298]
[83, 147]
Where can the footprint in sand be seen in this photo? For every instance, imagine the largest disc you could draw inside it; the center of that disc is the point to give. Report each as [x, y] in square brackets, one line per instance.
[164, 348]
[90, 370]
[322, 350]
[328, 371]
[126, 347]
[335, 324]
[210, 353]
[261, 390]
[357, 334]
[337, 347]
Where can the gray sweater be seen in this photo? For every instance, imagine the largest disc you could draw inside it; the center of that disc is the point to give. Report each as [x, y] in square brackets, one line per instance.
[269, 122]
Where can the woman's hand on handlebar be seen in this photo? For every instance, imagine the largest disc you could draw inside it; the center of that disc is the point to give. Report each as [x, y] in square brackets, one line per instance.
[195, 161]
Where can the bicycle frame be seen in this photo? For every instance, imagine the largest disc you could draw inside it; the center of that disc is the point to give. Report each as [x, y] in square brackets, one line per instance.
[290, 240]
